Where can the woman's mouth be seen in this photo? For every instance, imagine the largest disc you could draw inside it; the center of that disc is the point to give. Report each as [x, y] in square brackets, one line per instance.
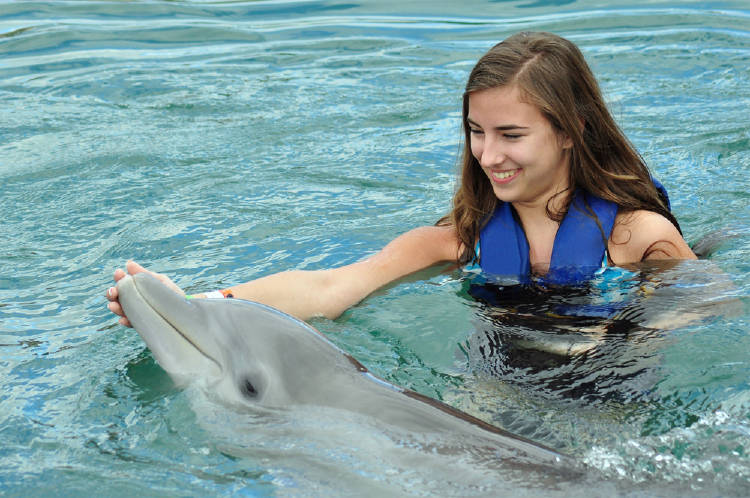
[504, 176]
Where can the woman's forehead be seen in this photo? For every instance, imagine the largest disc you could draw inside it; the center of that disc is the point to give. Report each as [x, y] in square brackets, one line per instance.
[499, 104]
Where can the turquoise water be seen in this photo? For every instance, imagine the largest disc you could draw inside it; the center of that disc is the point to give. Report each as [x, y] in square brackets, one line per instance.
[222, 141]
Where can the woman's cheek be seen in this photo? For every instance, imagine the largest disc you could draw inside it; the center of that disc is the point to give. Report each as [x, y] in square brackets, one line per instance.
[476, 149]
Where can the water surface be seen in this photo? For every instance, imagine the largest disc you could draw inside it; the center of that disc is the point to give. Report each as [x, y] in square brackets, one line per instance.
[222, 141]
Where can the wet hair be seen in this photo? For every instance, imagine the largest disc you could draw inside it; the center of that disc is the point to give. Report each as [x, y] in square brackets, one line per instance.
[551, 73]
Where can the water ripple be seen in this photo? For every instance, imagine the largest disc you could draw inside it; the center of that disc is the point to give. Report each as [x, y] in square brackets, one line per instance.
[221, 141]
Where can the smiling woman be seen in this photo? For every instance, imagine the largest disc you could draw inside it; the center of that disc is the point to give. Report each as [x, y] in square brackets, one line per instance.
[549, 182]
[526, 161]
[537, 127]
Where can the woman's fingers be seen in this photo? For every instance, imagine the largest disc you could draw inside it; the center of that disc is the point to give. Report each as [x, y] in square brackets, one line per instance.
[115, 307]
[113, 296]
[119, 274]
[134, 268]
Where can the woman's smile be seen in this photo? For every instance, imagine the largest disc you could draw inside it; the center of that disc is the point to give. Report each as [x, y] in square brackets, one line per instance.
[504, 176]
[524, 158]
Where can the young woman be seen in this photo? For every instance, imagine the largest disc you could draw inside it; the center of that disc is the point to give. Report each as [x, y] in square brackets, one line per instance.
[549, 186]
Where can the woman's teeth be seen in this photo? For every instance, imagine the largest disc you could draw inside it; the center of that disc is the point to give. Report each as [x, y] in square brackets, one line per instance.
[502, 175]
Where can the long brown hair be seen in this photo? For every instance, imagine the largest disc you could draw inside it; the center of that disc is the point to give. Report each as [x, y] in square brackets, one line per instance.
[551, 74]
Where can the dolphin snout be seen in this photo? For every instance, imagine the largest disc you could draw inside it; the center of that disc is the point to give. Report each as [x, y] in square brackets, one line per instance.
[171, 326]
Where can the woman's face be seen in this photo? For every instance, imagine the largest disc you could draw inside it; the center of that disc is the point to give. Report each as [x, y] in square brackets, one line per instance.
[525, 160]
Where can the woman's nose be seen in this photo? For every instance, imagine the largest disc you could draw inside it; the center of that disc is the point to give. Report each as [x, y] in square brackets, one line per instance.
[493, 154]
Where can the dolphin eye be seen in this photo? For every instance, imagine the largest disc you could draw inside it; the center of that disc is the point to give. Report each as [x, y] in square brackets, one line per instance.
[248, 389]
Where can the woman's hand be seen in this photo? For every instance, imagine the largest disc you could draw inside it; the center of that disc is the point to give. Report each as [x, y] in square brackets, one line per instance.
[133, 268]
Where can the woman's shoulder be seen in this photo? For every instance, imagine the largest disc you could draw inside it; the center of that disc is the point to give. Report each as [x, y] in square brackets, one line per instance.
[640, 235]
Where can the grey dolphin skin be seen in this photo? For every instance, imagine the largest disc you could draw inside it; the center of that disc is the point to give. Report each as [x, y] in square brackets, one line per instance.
[249, 354]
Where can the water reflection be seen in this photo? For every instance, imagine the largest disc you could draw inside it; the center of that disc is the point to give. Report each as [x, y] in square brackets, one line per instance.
[599, 341]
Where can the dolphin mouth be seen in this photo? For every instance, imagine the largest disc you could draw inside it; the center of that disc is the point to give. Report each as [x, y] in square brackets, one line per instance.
[191, 341]
[164, 319]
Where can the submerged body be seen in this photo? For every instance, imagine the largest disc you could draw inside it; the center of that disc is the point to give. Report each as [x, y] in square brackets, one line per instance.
[248, 354]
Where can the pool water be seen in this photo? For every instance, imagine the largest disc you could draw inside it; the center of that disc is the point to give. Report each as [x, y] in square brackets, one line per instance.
[222, 141]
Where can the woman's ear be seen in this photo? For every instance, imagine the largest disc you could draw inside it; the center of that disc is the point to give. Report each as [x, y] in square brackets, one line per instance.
[567, 142]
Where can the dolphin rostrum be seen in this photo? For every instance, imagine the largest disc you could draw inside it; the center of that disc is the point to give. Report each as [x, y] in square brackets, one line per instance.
[249, 354]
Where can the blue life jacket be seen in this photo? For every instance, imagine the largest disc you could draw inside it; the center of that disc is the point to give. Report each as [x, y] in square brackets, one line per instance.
[579, 249]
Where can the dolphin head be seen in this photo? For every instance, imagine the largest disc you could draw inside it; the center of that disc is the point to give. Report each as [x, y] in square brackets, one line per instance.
[239, 351]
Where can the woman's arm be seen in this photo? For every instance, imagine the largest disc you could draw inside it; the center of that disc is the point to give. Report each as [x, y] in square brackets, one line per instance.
[328, 293]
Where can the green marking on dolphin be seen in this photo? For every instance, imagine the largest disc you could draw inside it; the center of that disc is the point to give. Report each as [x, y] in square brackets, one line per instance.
[249, 354]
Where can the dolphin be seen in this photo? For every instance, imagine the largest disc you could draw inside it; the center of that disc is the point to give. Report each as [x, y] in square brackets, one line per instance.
[248, 354]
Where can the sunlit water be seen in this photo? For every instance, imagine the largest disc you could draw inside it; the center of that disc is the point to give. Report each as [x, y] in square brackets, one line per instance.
[222, 141]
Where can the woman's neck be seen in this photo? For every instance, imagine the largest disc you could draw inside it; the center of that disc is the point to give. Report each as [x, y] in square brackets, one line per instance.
[537, 212]
[539, 228]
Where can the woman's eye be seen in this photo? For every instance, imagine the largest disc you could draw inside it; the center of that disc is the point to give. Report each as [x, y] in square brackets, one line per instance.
[474, 131]
[511, 136]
